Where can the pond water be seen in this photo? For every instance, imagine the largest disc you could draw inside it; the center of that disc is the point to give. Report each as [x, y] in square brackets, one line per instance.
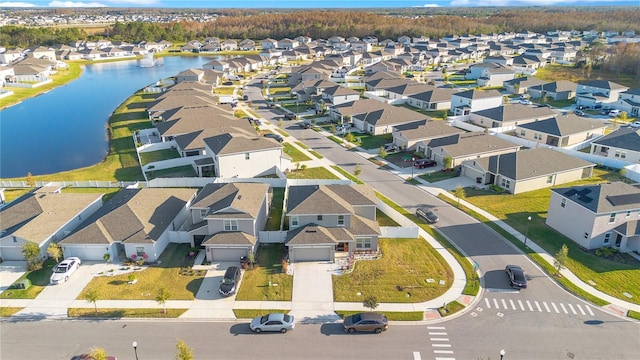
[66, 128]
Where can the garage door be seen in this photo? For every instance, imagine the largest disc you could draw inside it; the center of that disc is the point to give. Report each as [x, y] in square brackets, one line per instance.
[229, 254]
[85, 253]
[312, 254]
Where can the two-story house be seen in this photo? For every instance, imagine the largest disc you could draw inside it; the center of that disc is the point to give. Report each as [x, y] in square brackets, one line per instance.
[324, 219]
[622, 144]
[468, 101]
[593, 93]
[629, 102]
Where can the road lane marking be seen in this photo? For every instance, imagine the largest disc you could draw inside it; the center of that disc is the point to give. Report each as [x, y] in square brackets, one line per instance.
[495, 302]
[555, 308]
[546, 306]
[439, 339]
[416, 355]
[443, 351]
[529, 305]
[441, 345]
[589, 310]
[504, 304]
[513, 305]
[435, 327]
[538, 306]
[437, 333]
[447, 358]
[521, 305]
[563, 308]
[572, 309]
[487, 302]
[580, 308]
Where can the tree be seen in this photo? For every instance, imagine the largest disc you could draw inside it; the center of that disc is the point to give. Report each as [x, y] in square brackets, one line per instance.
[560, 260]
[92, 295]
[281, 123]
[30, 182]
[55, 251]
[459, 193]
[382, 152]
[371, 302]
[332, 129]
[350, 137]
[162, 297]
[183, 351]
[357, 170]
[97, 353]
[31, 252]
[446, 162]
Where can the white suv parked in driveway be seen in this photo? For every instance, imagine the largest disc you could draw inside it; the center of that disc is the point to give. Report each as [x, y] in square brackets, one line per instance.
[63, 270]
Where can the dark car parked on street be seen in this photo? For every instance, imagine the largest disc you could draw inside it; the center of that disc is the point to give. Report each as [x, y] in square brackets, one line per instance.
[517, 279]
[424, 163]
[367, 321]
[427, 215]
[275, 137]
[230, 281]
[304, 125]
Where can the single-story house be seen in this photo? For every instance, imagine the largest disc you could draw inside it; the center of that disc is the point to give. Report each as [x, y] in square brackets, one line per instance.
[472, 145]
[563, 130]
[556, 90]
[432, 99]
[592, 93]
[629, 102]
[510, 115]
[622, 144]
[416, 138]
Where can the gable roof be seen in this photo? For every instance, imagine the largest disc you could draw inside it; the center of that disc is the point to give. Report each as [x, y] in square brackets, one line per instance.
[392, 115]
[234, 143]
[624, 138]
[478, 94]
[532, 163]
[471, 143]
[235, 200]
[556, 86]
[603, 84]
[312, 234]
[328, 199]
[563, 125]
[514, 112]
[434, 94]
[432, 129]
[230, 238]
[603, 198]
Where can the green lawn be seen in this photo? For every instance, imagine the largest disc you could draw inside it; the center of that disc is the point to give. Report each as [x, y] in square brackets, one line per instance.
[39, 280]
[296, 155]
[347, 174]
[399, 276]
[14, 193]
[373, 142]
[438, 176]
[252, 313]
[124, 313]
[255, 282]
[275, 213]
[9, 311]
[611, 277]
[180, 171]
[391, 315]
[384, 219]
[312, 152]
[151, 156]
[182, 285]
[311, 173]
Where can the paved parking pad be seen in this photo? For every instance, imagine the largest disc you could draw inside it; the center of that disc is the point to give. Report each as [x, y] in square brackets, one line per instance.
[10, 271]
[208, 302]
[312, 300]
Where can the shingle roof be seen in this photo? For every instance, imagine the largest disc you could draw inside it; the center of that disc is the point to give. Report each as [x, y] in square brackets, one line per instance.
[313, 234]
[430, 130]
[603, 198]
[328, 199]
[235, 200]
[627, 138]
[479, 94]
[563, 125]
[515, 112]
[556, 86]
[234, 143]
[230, 238]
[603, 84]
[473, 143]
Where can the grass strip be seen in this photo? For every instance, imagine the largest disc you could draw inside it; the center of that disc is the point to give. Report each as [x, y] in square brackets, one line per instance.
[252, 313]
[9, 311]
[346, 174]
[124, 313]
[450, 308]
[296, 155]
[633, 314]
[391, 315]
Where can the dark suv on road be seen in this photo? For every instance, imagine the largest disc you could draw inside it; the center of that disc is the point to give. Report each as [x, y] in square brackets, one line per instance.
[229, 281]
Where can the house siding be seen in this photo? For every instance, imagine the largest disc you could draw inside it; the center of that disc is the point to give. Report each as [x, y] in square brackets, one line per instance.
[573, 220]
[328, 221]
[259, 163]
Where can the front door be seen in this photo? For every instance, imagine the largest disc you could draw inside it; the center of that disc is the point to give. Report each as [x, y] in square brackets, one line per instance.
[618, 240]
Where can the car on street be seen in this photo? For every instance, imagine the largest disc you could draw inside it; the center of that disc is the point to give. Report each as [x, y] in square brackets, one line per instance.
[579, 112]
[517, 279]
[427, 215]
[366, 321]
[614, 113]
[229, 281]
[424, 163]
[274, 322]
[227, 83]
[289, 116]
[635, 124]
[275, 137]
[64, 270]
[304, 125]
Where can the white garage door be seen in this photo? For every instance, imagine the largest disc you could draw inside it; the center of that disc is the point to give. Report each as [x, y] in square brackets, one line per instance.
[232, 254]
[312, 254]
[85, 253]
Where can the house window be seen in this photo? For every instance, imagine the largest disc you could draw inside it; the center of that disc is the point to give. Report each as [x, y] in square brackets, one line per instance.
[563, 202]
[231, 225]
[537, 136]
[294, 221]
[522, 132]
[140, 251]
[628, 213]
[340, 220]
[607, 237]
[247, 156]
[319, 217]
[586, 235]
[549, 179]
[612, 218]
[620, 154]
[363, 243]
[506, 183]
[203, 212]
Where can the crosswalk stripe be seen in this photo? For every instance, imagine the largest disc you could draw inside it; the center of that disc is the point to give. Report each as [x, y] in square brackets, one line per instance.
[580, 308]
[504, 303]
[442, 351]
[441, 345]
[439, 339]
[437, 333]
[538, 306]
[495, 302]
[513, 305]
[529, 305]
[563, 308]
[555, 308]
[572, 309]
[435, 327]
[589, 310]
[546, 306]
[521, 305]
[447, 358]
[416, 355]
[486, 301]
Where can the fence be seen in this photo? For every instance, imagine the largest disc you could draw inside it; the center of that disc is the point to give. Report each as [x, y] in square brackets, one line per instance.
[399, 232]
[29, 85]
[272, 237]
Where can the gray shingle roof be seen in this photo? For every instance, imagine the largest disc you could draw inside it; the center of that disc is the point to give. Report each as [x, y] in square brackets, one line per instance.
[472, 143]
[564, 125]
[603, 198]
[233, 199]
[430, 130]
[233, 143]
[328, 199]
[624, 138]
[313, 234]
[230, 238]
[515, 112]
[479, 94]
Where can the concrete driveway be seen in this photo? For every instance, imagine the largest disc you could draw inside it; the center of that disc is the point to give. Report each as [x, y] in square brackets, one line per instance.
[10, 271]
[208, 302]
[312, 300]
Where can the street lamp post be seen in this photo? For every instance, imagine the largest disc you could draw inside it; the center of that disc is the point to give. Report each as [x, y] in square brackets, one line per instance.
[502, 352]
[526, 234]
[135, 348]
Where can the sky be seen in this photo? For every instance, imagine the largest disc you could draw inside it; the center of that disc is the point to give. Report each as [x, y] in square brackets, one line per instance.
[307, 4]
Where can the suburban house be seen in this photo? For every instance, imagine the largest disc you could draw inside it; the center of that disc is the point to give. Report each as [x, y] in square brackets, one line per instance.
[342, 112]
[381, 120]
[468, 101]
[324, 219]
[593, 93]
[237, 155]
[629, 102]
[521, 85]
[465, 146]
[527, 170]
[42, 216]
[556, 90]
[338, 94]
[225, 219]
[594, 216]
[417, 138]
[509, 115]
[432, 98]
[563, 130]
[312, 90]
[622, 144]
[136, 223]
